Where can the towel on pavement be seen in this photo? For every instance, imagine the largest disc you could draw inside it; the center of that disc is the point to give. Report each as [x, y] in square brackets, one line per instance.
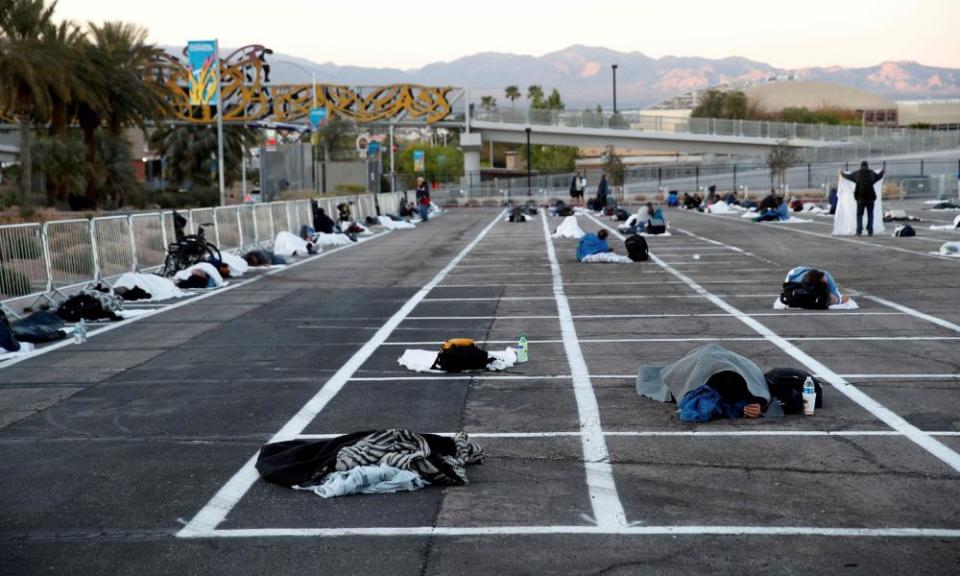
[422, 360]
[391, 224]
[287, 244]
[850, 304]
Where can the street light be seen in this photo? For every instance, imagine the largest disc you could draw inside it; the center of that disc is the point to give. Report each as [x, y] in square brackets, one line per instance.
[614, 66]
[529, 186]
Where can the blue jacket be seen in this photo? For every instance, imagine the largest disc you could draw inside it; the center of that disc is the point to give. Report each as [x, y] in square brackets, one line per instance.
[591, 244]
[704, 404]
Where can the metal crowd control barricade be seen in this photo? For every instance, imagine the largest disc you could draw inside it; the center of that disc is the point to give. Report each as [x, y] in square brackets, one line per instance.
[113, 246]
[23, 262]
[263, 224]
[227, 220]
[279, 217]
[71, 253]
[204, 217]
[305, 211]
[248, 226]
[149, 241]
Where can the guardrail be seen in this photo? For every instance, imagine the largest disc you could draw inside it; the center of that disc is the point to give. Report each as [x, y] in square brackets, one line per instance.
[43, 261]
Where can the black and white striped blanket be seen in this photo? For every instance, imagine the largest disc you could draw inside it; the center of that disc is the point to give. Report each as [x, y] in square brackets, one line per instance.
[410, 451]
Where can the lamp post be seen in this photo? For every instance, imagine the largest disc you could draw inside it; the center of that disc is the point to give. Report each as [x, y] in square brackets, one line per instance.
[614, 67]
[529, 185]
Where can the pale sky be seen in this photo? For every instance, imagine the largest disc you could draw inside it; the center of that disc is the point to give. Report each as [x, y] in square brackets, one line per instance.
[409, 34]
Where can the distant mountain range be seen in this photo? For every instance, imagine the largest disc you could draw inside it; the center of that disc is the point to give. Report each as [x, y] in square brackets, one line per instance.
[583, 77]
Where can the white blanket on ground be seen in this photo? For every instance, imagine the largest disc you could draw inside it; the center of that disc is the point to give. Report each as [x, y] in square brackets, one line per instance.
[332, 239]
[158, 287]
[391, 224]
[238, 266]
[287, 244]
[569, 228]
[607, 257]
[814, 209]
[422, 360]
[720, 208]
[374, 479]
[850, 304]
[845, 219]
[954, 226]
[206, 267]
[949, 249]
[793, 220]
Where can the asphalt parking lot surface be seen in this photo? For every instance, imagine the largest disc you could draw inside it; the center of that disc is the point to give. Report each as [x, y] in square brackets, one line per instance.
[132, 453]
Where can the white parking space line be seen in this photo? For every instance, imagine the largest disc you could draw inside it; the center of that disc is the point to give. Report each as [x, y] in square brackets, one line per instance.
[884, 414]
[215, 511]
[480, 376]
[697, 339]
[912, 312]
[847, 239]
[598, 297]
[665, 434]
[605, 283]
[607, 509]
[836, 313]
[448, 531]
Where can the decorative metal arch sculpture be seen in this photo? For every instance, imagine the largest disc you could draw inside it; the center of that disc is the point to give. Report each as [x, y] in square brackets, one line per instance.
[249, 97]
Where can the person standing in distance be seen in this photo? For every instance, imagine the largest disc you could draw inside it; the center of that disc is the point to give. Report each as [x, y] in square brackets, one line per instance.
[864, 194]
[423, 198]
[577, 187]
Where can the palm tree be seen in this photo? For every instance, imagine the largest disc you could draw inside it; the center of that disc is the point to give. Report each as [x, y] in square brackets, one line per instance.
[512, 93]
[78, 83]
[124, 64]
[26, 72]
[188, 152]
[488, 102]
[535, 95]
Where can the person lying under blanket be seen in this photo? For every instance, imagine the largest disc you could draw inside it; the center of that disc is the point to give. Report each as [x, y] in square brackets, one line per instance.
[263, 258]
[594, 248]
[806, 287]
[713, 382]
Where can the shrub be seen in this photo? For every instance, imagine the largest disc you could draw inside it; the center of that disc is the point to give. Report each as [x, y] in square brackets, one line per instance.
[13, 283]
[78, 259]
[22, 248]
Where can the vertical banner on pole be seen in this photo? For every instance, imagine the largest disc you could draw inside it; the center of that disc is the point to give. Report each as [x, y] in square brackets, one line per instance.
[419, 161]
[202, 56]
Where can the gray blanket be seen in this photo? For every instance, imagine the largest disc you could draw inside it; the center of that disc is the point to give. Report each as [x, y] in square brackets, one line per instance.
[693, 371]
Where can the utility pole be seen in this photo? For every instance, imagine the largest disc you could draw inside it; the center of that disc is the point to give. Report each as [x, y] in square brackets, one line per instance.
[614, 66]
[216, 47]
[529, 161]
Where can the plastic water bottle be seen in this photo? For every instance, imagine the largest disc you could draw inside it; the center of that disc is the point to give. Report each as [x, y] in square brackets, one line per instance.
[522, 355]
[809, 396]
[80, 332]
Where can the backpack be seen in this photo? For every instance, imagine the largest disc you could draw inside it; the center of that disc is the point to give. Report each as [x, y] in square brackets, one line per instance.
[797, 295]
[656, 226]
[786, 385]
[797, 205]
[621, 215]
[371, 221]
[460, 354]
[637, 248]
[516, 214]
[904, 231]
[565, 211]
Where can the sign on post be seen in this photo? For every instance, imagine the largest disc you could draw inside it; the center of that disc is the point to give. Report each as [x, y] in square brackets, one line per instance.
[318, 117]
[202, 55]
[419, 161]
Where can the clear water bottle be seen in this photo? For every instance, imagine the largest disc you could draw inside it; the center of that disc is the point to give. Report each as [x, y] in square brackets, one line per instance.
[809, 396]
[80, 332]
[522, 355]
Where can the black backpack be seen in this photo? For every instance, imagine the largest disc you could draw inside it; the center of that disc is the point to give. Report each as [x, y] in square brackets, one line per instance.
[797, 295]
[656, 226]
[565, 211]
[637, 248]
[904, 231]
[622, 215]
[516, 214]
[786, 385]
[457, 356]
